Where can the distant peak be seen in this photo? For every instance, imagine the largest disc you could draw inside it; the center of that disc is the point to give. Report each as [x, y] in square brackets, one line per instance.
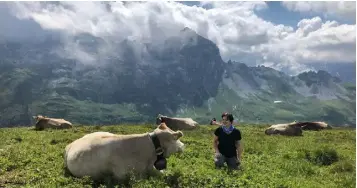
[187, 29]
[320, 76]
[316, 73]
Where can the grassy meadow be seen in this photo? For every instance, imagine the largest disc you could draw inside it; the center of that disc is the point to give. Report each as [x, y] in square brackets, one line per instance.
[30, 158]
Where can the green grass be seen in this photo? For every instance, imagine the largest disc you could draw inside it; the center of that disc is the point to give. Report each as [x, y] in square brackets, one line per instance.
[318, 159]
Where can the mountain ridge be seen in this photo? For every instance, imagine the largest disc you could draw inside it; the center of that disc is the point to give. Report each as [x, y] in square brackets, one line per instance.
[184, 77]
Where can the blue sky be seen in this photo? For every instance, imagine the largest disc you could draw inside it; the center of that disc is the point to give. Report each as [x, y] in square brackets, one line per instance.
[278, 14]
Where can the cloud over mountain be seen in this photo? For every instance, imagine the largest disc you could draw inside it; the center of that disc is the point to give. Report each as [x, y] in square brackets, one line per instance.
[235, 27]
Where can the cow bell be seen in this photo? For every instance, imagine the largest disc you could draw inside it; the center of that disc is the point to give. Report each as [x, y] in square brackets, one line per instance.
[160, 164]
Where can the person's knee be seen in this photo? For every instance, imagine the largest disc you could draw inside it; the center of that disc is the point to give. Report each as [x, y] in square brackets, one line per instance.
[233, 166]
[233, 163]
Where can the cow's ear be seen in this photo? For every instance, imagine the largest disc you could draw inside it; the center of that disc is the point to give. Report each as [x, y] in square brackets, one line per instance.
[34, 117]
[178, 134]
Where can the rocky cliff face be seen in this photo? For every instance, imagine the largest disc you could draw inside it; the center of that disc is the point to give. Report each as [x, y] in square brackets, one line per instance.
[250, 81]
[321, 85]
[344, 71]
[186, 69]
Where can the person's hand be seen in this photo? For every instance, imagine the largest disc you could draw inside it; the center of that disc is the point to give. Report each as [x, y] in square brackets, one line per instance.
[213, 122]
[239, 160]
[217, 154]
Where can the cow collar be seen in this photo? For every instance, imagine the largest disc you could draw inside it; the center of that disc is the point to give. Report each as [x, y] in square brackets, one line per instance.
[158, 149]
[160, 163]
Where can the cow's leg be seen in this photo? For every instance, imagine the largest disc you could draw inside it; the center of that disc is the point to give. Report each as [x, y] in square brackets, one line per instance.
[64, 126]
[143, 170]
[67, 126]
[151, 171]
[119, 173]
[278, 132]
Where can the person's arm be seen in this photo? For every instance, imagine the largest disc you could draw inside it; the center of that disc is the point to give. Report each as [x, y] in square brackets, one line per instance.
[216, 123]
[239, 150]
[215, 144]
[215, 141]
[239, 146]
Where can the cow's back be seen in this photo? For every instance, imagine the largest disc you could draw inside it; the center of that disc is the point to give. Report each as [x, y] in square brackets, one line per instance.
[314, 126]
[59, 123]
[100, 134]
[181, 123]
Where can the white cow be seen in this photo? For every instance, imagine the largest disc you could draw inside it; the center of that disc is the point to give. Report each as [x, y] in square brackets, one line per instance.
[101, 153]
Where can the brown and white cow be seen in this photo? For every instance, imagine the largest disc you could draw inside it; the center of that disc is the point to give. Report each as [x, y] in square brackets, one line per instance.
[177, 123]
[288, 129]
[43, 122]
[101, 153]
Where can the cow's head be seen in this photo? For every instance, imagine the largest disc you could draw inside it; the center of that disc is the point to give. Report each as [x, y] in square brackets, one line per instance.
[160, 119]
[38, 117]
[169, 140]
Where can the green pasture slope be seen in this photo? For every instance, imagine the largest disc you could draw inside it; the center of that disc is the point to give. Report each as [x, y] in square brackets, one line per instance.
[318, 159]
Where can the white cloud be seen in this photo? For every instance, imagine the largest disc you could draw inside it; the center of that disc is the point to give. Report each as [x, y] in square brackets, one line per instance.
[341, 9]
[238, 32]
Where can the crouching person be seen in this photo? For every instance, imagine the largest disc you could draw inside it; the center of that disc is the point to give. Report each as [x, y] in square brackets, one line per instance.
[227, 144]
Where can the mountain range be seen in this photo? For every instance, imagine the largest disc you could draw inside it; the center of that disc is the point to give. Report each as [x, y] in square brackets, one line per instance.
[344, 71]
[183, 76]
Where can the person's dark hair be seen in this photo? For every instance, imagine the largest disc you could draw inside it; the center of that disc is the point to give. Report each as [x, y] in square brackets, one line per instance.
[228, 115]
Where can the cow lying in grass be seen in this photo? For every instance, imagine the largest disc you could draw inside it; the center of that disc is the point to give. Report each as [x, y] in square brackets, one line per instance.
[43, 122]
[177, 123]
[102, 153]
[288, 129]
